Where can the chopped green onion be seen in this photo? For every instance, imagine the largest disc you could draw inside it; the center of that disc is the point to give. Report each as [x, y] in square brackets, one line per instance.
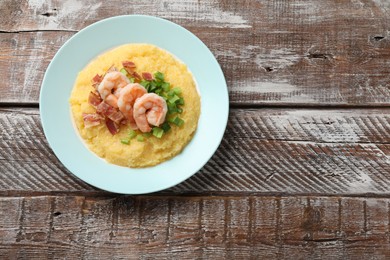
[173, 99]
[159, 76]
[153, 86]
[178, 121]
[165, 86]
[179, 110]
[145, 83]
[172, 108]
[158, 83]
[166, 127]
[132, 134]
[180, 101]
[123, 71]
[177, 90]
[158, 132]
[140, 138]
[125, 141]
[132, 80]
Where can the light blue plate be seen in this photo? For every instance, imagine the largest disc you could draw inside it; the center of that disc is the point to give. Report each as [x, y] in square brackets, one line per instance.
[99, 37]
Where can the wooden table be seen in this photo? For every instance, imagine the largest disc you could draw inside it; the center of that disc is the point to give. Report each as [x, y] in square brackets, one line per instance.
[303, 171]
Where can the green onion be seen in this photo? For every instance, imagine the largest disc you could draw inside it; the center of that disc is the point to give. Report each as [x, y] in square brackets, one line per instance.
[177, 90]
[123, 71]
[173, 99]
[153, 86]
[159, 76]
[165, 86]
[166, 127]
[145, 83]
[172, 108]
[179, 110]
[178, 121]
[158, 83]
[140, 138]
[132, 134]
[158, 132]
[132, 80]
[180, 101]
[125, 141]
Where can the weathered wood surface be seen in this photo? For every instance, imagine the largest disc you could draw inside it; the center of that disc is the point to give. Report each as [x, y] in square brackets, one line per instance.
[276, 53]
[301, 52]
[194, 228]
[294, 151]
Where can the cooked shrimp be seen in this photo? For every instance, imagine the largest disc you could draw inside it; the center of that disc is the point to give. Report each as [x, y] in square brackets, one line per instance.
[111, 82]
[127, 97]
[150, 109]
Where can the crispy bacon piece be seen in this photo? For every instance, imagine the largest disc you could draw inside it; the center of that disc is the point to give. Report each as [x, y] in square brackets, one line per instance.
[128, 64]
[116, 116]
[147, 76]
[124, 121]
[136, 75]
[96, 80]
[103, 109]
[94, 99]
[110, 112]
[91, 119]
[111, 126]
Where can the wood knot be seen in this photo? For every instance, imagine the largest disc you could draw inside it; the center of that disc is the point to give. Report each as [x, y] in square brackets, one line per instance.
[55, 214]
[378, 38]
[48, 14]
[312, 219]
[268, 69]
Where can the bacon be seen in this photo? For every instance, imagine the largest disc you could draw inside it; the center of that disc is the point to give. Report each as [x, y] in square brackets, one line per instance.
[111, 126]
[96, 80]
[91, 120]
[104, 109]
[124, 121]
[147, 76]
[128, 64]
[94, 99]
[110, 112]
[116, 116]
[136, 75]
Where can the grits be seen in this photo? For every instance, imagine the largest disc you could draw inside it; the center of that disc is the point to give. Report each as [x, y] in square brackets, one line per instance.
[148, 58]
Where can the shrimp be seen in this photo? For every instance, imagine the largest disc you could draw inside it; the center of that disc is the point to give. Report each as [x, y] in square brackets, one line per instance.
[149, 109]
[111, 83]
[126, 100]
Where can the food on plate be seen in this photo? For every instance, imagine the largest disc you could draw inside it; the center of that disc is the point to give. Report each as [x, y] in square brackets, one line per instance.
[135, 105]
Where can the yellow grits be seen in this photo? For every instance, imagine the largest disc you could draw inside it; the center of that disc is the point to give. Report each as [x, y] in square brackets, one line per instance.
[147, 58]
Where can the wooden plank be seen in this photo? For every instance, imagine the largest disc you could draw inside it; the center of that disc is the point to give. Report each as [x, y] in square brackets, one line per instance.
[272, 52]
[280, 227]
[264, 150]
[24, 58]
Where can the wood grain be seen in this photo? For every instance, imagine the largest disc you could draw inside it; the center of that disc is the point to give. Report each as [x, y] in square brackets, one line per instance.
[194, 227]
[295, 151]
[272, 52]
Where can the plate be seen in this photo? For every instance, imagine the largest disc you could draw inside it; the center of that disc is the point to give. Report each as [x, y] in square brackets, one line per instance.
[96, 39]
